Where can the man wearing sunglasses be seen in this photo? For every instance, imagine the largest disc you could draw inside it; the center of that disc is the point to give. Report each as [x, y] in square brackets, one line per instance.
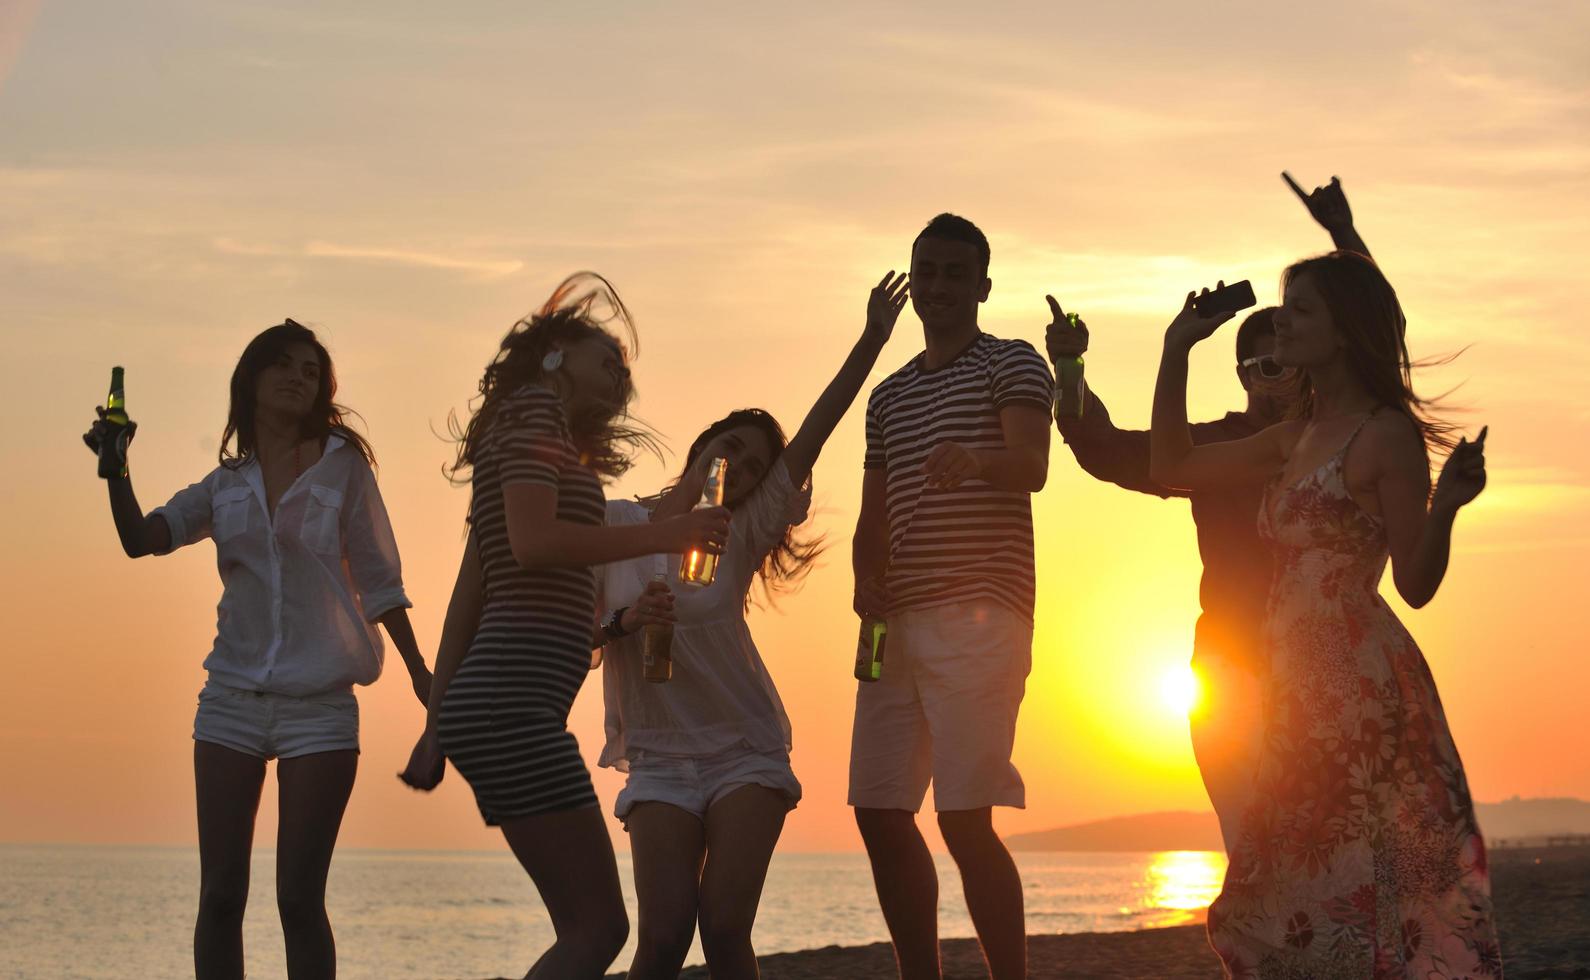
[1236, 576]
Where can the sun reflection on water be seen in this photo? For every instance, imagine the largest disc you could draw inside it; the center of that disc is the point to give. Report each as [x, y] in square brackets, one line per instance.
[1183, 883]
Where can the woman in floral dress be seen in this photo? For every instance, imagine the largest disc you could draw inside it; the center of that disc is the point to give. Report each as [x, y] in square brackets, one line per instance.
[1360, 855]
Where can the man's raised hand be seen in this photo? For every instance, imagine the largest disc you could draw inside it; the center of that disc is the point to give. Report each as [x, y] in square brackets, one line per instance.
[1063, 338]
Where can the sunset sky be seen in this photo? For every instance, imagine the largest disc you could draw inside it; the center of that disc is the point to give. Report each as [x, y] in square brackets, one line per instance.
[409, 178]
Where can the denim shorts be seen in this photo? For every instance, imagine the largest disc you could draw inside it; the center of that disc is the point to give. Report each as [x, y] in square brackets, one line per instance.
[276, 726]
[694, 784]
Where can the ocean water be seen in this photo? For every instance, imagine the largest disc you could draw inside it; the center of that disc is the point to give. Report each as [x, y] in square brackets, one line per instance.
[104, 912]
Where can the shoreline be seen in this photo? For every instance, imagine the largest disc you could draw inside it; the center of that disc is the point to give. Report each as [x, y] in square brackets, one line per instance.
[1541, 895]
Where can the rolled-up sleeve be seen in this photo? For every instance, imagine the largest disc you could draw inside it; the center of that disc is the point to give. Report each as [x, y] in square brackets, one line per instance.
[1021, 377]
[371, 547]
[187, 515]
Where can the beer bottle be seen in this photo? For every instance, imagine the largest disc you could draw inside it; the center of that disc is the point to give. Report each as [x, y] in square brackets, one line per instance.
[113, 447]
[869, 649]
[699, 567]
[657, 647]
[1070, 392]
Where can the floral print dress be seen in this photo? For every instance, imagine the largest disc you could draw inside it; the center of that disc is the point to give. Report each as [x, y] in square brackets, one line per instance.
[1360, 856]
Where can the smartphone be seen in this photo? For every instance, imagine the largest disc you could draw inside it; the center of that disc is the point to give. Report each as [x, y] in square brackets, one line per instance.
[1227, 299]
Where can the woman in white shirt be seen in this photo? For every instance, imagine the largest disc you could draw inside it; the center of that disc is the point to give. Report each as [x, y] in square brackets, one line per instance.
[707, 752]
[308, 566]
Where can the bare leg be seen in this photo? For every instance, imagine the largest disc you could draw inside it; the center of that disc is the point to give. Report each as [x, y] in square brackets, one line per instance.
[227, 785]
[742, 830]
[314, 792]
[667, 847]
[993, 889]
[908, 888]
[570, 858]
[1225, 731]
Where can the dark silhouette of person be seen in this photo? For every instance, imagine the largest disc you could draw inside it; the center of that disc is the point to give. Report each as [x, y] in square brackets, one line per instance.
[1227, 653]
[308, 566]
[957, 442]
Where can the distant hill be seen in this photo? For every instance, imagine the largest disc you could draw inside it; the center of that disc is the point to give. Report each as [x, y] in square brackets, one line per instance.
[1176, 830]
[1520, 818]
[1185, 830]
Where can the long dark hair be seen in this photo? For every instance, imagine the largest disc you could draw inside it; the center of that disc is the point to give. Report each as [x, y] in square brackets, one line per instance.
[1366, 312]
[324, 417]
[786, 566]
[583, 306]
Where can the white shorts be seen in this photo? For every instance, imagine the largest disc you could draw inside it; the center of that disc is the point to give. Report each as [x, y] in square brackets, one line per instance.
[272, 726]
[694, 784]
[943, 711]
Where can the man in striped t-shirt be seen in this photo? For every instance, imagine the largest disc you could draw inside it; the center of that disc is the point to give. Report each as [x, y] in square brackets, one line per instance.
[957, 441]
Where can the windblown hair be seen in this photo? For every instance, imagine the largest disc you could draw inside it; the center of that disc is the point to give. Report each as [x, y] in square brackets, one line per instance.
[787, 565]
[1365, 310]
[324, 417]
[954, 228]
[584, 306]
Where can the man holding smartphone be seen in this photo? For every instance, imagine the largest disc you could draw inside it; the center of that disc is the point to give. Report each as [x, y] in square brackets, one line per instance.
[1227, 653]
[957, 441]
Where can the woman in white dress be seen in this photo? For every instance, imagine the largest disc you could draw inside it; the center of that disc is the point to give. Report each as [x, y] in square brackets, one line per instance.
[707, 752]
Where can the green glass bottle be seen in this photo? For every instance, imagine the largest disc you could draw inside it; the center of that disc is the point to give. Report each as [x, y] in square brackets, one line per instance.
[869, 649]
[1070, 392]
[113, 448]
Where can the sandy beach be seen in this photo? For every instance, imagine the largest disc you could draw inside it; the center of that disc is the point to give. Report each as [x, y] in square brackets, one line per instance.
[1542, 906]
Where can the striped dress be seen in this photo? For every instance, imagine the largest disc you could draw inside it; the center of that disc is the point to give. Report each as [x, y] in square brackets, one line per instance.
[503, 720]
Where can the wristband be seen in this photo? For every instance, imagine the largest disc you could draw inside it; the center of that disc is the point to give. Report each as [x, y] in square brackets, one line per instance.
[613, 625]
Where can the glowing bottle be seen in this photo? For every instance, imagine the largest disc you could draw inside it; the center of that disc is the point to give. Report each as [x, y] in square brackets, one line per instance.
[113, 448]
[869, 649]
[1070, 392]
[699, 567]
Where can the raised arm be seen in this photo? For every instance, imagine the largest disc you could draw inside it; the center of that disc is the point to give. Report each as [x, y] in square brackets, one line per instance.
[1328, 206]
[1104, 452]
[1419, 524]
[1173, 459]
[140, 534]
[1118, 456]
[883, 309]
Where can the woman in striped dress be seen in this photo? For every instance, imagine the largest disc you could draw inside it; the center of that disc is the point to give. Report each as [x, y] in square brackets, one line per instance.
[517, 639]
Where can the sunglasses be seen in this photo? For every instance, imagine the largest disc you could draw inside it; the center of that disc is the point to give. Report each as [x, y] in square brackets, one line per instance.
[1268, 366]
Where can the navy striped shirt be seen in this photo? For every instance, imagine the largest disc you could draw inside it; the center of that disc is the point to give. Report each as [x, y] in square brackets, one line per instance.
[973, 542]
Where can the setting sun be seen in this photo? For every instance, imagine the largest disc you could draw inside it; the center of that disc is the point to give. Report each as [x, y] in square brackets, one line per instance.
[1180, 689]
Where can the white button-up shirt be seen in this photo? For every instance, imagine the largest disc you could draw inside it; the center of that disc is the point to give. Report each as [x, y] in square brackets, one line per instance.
[301, 590]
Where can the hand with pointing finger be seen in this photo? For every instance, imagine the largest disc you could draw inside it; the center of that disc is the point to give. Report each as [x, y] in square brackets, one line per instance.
[1067, 334]
[1327, 205]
